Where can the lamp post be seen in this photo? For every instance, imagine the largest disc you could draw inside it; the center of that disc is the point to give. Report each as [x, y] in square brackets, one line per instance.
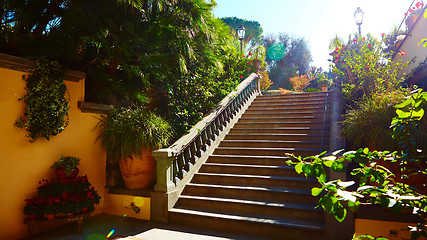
[241, 35]
[358, 17]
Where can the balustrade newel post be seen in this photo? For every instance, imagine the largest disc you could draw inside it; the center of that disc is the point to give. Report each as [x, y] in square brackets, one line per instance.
[165, 174]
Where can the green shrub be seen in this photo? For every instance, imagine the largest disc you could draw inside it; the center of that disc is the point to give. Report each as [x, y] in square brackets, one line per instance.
[368, 124]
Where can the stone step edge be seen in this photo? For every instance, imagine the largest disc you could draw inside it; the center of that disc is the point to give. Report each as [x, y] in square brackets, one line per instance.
[255, 202]
[255, 188]
[284, 222]
[249, 176]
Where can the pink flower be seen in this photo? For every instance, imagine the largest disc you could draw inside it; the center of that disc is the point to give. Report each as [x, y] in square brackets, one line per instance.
[382, 34]
[369, 45]
[355, 40]
[367, 67]
[402, 53]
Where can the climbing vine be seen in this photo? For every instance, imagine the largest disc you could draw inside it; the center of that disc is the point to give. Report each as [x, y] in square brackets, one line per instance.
[46, 110]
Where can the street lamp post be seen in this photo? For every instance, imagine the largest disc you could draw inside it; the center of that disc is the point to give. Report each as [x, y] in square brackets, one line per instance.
[358, 17]
[241, 35]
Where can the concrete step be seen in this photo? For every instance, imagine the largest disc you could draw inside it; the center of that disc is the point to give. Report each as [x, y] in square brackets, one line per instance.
[293, 96]
[278, 137]
[274, 227]
[275, 194]
[270, 144]
[251, 160]
[281, 114]
[258, 124]
[251, 151]
[267, 118]
[267, 109]
[283, 130]
[247, 169]
[253, 207]
[261, 101]
[288, 105]
[254, 180]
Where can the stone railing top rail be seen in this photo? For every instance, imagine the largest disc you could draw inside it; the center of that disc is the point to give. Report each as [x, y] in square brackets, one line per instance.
[177, 147]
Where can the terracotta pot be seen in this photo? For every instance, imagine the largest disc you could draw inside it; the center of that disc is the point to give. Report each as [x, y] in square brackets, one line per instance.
[138, 172]
[324, 89]
[257, 64]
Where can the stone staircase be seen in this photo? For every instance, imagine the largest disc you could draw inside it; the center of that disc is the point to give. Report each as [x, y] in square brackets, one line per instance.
[246, 186]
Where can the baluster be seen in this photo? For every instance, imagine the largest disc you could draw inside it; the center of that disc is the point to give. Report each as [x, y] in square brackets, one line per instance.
[180, 160]
[193, 151]
[221, 121]
[212, 135]
[187, 157]
[198, 144]
[205, 140]
[216, 127]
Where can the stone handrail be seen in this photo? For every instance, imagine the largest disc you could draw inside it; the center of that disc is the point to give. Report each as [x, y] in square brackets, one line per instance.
[175, 162]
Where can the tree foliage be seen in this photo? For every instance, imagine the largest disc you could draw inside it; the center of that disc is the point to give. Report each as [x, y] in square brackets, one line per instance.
[142, 52]
[253, 29]
[294, 59]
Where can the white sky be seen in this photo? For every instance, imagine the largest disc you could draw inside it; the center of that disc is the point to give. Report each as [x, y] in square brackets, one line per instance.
[318, 21]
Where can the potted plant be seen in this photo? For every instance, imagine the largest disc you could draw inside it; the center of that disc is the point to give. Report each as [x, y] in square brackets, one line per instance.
[258, 55]
[130, 134]
[66, 167]
[34, 208]
[414, 12]
[323, 83]
[52, 207]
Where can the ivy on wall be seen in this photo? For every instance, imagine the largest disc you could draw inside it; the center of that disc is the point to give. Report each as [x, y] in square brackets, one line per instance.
[47, 105]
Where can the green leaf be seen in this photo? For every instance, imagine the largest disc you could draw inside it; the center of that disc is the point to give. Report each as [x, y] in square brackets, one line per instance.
[338, 166]
[341, 213]
[323, 177]
[366, 150]
[405, 103]
[328, 163]
[316, 191]
[298, 167]
[418, 114]
[354, 206]
[308, 169]
[402, 114]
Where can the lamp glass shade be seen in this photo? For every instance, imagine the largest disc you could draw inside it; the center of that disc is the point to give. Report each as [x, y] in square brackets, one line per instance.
[358, 16]
[241, 32]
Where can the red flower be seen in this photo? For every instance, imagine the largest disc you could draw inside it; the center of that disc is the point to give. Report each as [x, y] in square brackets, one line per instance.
[369, 45]
[367, 67]
[243, 55]
[250, 54]
[248, 63]
[241, 76]
[402, 53]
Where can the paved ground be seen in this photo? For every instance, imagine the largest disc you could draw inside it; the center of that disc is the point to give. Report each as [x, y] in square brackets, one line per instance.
[98, 227]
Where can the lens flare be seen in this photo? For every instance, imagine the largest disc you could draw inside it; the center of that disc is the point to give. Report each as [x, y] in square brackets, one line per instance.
[111, 233]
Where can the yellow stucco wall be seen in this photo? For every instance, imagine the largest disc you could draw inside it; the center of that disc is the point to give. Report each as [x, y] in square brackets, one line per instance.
[23, 164]
[390, 230]
[411, 48]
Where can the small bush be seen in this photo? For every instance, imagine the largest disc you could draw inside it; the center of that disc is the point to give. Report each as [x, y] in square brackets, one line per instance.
[368, 125]
[300, 82]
